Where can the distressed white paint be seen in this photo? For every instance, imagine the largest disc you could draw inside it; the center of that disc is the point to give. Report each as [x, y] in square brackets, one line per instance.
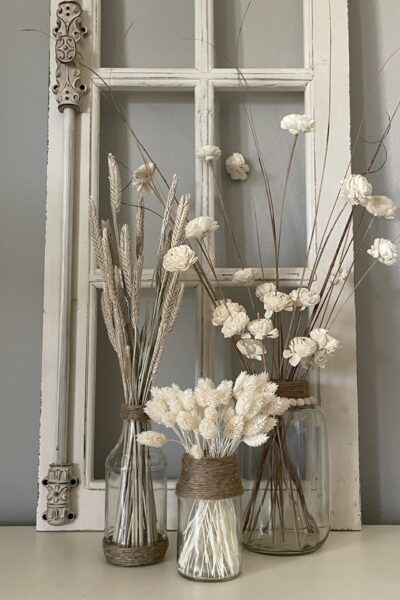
[338, 385]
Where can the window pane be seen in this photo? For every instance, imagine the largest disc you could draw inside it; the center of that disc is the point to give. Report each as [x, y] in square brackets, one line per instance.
[147, 34]
[177, 366]
[164, 123]
[271, 33]
[233, 111]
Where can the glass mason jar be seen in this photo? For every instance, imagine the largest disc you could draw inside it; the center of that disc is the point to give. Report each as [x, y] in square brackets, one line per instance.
[288, 511]
[209, 526]
[135, 500]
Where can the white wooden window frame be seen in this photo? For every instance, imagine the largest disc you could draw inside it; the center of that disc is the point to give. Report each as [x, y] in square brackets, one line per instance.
[325, 36]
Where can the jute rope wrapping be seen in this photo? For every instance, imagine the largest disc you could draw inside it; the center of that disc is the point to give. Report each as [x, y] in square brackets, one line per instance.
[134, 557]
[133, 412]
[128, 556]
[209, 478]
[292, 389]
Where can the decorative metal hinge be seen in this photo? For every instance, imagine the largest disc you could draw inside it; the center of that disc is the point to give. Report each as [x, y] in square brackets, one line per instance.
[59, 482]
[68, 33]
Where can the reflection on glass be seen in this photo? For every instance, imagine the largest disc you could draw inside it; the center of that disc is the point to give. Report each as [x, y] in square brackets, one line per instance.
[149, 34]
[266, 110]
[271, 33]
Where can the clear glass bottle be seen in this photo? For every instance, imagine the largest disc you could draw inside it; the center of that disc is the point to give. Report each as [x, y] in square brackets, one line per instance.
[288, 512]
[209, 539]
[135, 500]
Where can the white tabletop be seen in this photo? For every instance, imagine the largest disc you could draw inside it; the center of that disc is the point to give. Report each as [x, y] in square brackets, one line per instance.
[350, 566]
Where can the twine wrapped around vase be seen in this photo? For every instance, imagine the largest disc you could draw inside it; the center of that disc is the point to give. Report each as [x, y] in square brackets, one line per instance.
[209, 478]
[134, 557]
[292, 389]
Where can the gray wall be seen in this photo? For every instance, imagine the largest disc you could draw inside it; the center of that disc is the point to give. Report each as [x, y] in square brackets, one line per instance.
[23, 103]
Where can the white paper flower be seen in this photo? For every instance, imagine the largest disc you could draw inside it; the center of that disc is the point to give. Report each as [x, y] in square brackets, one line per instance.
[303, 298]
[252, 349]
[325, 341]
[265, 288]
[338, 275]
[261, 328]
[208, 153]
[244, 275]
[356, 189]
[275, 302]
[296, 124]
[179, 258]
[381, 206]
[236, 166]
[235, 325]
[200, 227]
[153, 439]
[300, 348]
[224, 310]
[384, 251]
[143, 177]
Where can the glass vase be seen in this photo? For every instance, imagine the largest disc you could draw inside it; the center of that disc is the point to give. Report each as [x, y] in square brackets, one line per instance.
[209, 528]
[288, 511]
[135, 500]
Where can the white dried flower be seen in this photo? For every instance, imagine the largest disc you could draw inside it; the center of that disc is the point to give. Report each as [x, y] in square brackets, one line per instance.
[259, 424]
[153, 439]
[235, 325]
[253, 385]
[296, 124]
[300, 348]
[179, 258]
[252, 349]
[208, 428]
[203, 392]
[234, 428]
[275, 302]
[261, 328]
[187, 400]
[245, 275]
[143, 176]
[303, 298]
[265, 288]
[256, 440]
[384, 251]
[381, 206]
[325, 341]
[338, 275]
[199, 227]
[356, 189]
[224, 310]
[186, 420]
[196, 452]
[236, 166]
[208, 153]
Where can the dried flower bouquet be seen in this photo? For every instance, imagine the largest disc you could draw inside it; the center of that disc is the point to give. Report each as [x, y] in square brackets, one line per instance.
[138, 339]
[290, 351]
[210, 422]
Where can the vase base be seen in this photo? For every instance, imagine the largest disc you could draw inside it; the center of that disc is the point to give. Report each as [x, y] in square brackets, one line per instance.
[292, 544]
[210, 579]
[128, 556]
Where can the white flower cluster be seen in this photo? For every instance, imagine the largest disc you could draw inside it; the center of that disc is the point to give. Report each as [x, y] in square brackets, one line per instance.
[312, 351]
[384, 251]
[212, 420]
[275, 302]
[357, 190]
